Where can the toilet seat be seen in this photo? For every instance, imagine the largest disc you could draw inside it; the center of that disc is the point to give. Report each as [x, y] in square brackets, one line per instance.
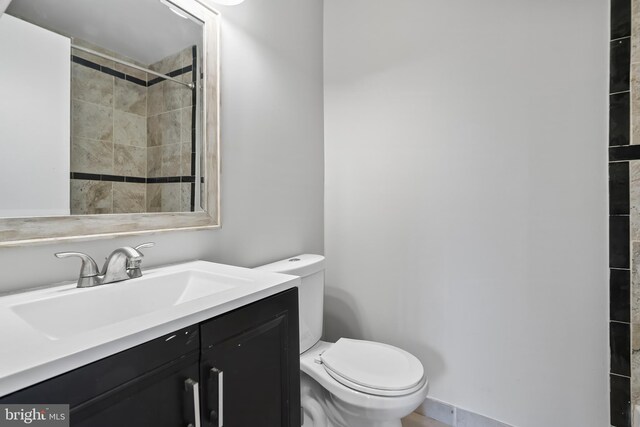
[373, 368]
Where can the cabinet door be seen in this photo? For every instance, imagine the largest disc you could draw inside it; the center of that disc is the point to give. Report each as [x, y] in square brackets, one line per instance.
[166, 396]
[250, 365]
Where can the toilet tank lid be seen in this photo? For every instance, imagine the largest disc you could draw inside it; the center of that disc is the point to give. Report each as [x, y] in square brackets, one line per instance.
[299, 265]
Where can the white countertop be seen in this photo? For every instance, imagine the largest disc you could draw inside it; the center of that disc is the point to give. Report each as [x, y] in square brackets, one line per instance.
[28, 356]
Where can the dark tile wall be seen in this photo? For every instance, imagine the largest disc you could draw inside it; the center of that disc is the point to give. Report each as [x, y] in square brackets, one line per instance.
[619, 119]
[620, 152]
[619, 400]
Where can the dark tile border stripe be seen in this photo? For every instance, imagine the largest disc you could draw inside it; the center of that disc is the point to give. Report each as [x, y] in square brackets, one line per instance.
[194, 121]
[134, 179]
[620, 19]
[619, 118]
[135, 80]
[127, 77]
[114, 73]
[194, 101]
[174, 73]
[107, 70]
[620, 152]
[624, 152]
[193, 197]
[619, 242]
[620, 400]
[619, 291]
[620, 345]
[620, 64]
[619, 188]
[97, 177]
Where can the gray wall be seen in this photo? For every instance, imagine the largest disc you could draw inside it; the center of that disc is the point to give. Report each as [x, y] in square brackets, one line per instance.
[272, 153]
[466, 202]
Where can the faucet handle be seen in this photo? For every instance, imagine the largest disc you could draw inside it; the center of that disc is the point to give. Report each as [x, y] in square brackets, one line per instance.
[133, 266]
[144, 245]
[88, 269]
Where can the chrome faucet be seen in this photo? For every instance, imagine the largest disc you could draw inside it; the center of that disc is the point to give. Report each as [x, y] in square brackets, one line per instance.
[121, 264]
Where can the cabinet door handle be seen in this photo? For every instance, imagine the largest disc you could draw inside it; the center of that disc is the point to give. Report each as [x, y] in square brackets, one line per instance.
[218, 412]
[193, 385]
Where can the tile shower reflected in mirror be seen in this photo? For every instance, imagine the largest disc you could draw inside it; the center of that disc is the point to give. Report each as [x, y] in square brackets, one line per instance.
[133, 135]
[135, 140]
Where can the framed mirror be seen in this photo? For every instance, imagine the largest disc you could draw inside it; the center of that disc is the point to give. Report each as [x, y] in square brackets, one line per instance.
[109, 123]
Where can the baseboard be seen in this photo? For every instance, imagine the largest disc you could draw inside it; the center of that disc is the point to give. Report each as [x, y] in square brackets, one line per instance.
[451, 416]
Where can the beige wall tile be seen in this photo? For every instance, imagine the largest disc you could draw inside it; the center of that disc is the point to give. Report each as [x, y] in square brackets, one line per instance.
[90, 156]
[154, 162]
[130, 97]
[635, 31]
[91, 121]
[186, 197]
[154, 198]
[635, 362]
[185, 159]
[171, 197]
[164, 129]
[130, 129]
[155, 99]
[129, 160]
[171, 160]
[176, 96]
[635, 282]
[187, 94]
[91, 197]
[91, 85]
[168, 64]
[186, 124]
[129, 197]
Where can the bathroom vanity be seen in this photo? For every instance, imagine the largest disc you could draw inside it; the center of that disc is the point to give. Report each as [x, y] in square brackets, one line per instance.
[235, 363]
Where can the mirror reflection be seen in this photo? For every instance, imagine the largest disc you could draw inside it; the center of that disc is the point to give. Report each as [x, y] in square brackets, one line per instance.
[106, 116]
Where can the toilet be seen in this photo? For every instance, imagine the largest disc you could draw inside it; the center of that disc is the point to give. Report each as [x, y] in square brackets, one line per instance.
[349, 383]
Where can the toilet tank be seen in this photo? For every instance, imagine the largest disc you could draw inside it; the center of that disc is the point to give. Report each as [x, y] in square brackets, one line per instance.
[310, 269]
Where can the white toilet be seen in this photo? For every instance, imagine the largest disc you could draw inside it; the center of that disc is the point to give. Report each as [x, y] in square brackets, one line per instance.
[350, 383]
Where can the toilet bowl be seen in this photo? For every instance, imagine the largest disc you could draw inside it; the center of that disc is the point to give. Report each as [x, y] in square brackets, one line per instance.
[345, 406]
[349, 383]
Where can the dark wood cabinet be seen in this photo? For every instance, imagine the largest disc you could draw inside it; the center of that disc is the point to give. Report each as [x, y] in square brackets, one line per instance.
[250, 365]
[242, 368]
[163, 397]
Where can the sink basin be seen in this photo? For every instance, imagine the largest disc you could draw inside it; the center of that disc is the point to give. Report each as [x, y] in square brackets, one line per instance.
[52, 330]
[74, 311]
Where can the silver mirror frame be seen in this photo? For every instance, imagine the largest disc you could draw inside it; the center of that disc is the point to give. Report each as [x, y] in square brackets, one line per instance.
[32, 230]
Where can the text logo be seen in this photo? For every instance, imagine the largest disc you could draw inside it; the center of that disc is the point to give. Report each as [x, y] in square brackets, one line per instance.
[34, 415]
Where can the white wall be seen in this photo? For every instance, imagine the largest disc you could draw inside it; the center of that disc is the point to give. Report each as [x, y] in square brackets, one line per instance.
[272, 153]
[465, 211]
[3, 5]
[34, 165]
